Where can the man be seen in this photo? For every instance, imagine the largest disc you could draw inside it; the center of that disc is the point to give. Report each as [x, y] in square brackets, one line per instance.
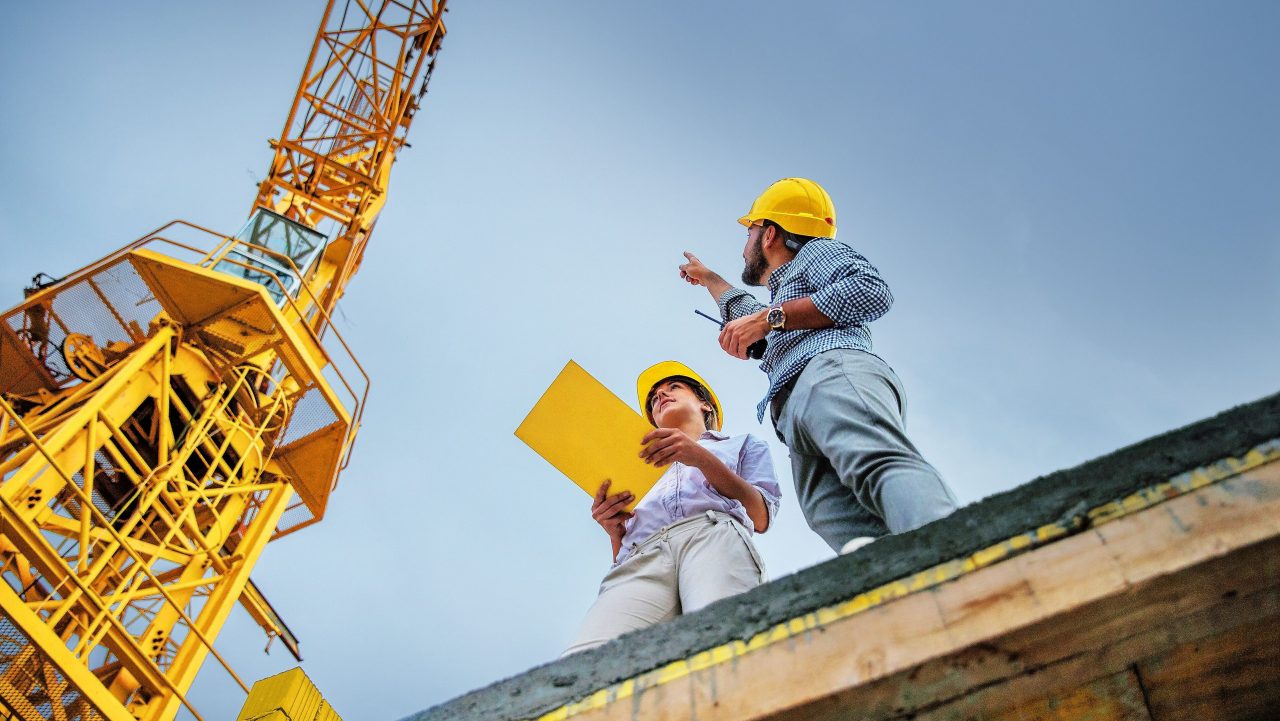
[839, 408]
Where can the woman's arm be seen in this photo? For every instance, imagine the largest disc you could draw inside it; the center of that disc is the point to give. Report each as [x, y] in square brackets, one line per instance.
[664, 445]
[731, 485]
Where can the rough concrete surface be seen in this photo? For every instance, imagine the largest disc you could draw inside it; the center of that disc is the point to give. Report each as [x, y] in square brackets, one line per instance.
[994, 519]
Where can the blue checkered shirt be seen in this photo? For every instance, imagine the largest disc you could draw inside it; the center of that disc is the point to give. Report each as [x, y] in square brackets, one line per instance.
[843, 285]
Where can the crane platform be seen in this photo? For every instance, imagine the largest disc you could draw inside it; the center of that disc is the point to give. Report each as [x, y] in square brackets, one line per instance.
[1141, 586]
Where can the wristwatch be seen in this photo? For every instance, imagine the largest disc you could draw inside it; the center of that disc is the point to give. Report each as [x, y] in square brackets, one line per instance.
[776, 318]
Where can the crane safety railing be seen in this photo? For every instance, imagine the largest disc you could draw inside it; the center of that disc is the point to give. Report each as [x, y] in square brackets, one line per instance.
[224, 251]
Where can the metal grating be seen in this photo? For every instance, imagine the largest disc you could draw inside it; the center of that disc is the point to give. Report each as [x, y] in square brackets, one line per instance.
[80, 307]
[295, 517]
[311, 412]
[32, 687]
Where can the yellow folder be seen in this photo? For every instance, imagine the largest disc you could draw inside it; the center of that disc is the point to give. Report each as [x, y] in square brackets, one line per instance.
[590, 435]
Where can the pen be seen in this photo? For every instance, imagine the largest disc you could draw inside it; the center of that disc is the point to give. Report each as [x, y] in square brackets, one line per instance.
[713, 320]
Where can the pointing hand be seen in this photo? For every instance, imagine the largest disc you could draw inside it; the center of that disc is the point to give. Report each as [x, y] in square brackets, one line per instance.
[694, 272]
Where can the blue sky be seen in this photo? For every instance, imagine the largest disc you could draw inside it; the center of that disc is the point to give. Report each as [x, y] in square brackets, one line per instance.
[1076, 205]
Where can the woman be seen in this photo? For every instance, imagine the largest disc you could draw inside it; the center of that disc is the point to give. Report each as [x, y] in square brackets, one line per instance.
[688, 542]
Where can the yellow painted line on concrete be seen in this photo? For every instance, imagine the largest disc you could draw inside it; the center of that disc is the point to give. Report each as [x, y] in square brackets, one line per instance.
[929, 578]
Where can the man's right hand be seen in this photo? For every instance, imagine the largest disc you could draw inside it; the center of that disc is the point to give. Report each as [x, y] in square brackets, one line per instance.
[695, 273]
[609, 511]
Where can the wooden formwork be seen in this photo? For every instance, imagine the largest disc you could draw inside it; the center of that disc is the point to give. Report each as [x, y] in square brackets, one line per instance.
[1169, 613]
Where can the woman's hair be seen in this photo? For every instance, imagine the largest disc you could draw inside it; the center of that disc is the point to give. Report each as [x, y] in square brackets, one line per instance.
[709, 418]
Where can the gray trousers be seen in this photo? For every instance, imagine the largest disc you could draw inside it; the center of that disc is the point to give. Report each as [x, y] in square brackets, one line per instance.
[856, 472]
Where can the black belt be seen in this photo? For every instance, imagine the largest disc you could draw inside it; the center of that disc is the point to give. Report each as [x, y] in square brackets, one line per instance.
[780, 398]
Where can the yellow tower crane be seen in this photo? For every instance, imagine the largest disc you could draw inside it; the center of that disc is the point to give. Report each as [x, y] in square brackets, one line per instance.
[167, 411]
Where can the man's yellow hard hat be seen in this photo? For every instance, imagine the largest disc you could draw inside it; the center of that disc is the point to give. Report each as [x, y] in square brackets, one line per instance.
[658, 372]
[799, 205]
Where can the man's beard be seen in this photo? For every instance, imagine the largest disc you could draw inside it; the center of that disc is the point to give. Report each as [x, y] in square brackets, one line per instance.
[753, 273]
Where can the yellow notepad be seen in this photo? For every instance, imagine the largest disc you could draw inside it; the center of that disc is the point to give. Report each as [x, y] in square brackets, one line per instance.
[590, 435]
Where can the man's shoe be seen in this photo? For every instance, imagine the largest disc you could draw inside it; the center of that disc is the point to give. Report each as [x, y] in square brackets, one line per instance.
[854, 544]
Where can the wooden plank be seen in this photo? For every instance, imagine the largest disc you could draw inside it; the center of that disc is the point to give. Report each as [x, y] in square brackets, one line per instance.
[1080, 567]
[1228, 609]
[1195, 527]
[1057, 654]
[992, 600]
[1118, 697]
[903, 631]
[1234, 675]
[1011, 601]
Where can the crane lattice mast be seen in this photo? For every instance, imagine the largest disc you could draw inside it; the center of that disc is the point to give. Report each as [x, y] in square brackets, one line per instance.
[167, 411]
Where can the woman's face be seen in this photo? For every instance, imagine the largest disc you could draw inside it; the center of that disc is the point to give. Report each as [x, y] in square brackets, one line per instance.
[673, 402]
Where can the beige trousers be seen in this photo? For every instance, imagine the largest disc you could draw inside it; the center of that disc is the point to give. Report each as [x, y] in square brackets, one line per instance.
[680, 569]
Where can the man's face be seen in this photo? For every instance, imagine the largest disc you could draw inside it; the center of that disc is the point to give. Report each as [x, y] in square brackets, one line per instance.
[753, 257]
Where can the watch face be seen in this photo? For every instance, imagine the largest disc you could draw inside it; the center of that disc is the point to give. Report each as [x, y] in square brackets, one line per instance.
[775, 317]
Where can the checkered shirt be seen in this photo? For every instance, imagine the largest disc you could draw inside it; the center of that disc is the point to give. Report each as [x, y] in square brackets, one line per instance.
[843, 285]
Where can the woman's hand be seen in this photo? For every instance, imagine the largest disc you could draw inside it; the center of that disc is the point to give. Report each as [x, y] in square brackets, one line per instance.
[609, 511]
[662, 446]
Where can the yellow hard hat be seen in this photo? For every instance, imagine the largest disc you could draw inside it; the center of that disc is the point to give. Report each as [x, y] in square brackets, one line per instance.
[658, 372]
[799, 205]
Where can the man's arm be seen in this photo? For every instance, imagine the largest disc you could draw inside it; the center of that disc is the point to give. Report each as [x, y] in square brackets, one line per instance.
[737, 303]
[732, 302]
[849, 292]
[802, 314]
[849, 289]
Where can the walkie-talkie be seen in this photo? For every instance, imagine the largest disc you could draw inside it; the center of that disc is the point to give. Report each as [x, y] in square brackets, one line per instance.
[754, 351]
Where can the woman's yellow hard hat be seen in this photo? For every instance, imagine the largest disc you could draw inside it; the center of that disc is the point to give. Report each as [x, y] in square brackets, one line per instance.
[799, 205]
[658, 372]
